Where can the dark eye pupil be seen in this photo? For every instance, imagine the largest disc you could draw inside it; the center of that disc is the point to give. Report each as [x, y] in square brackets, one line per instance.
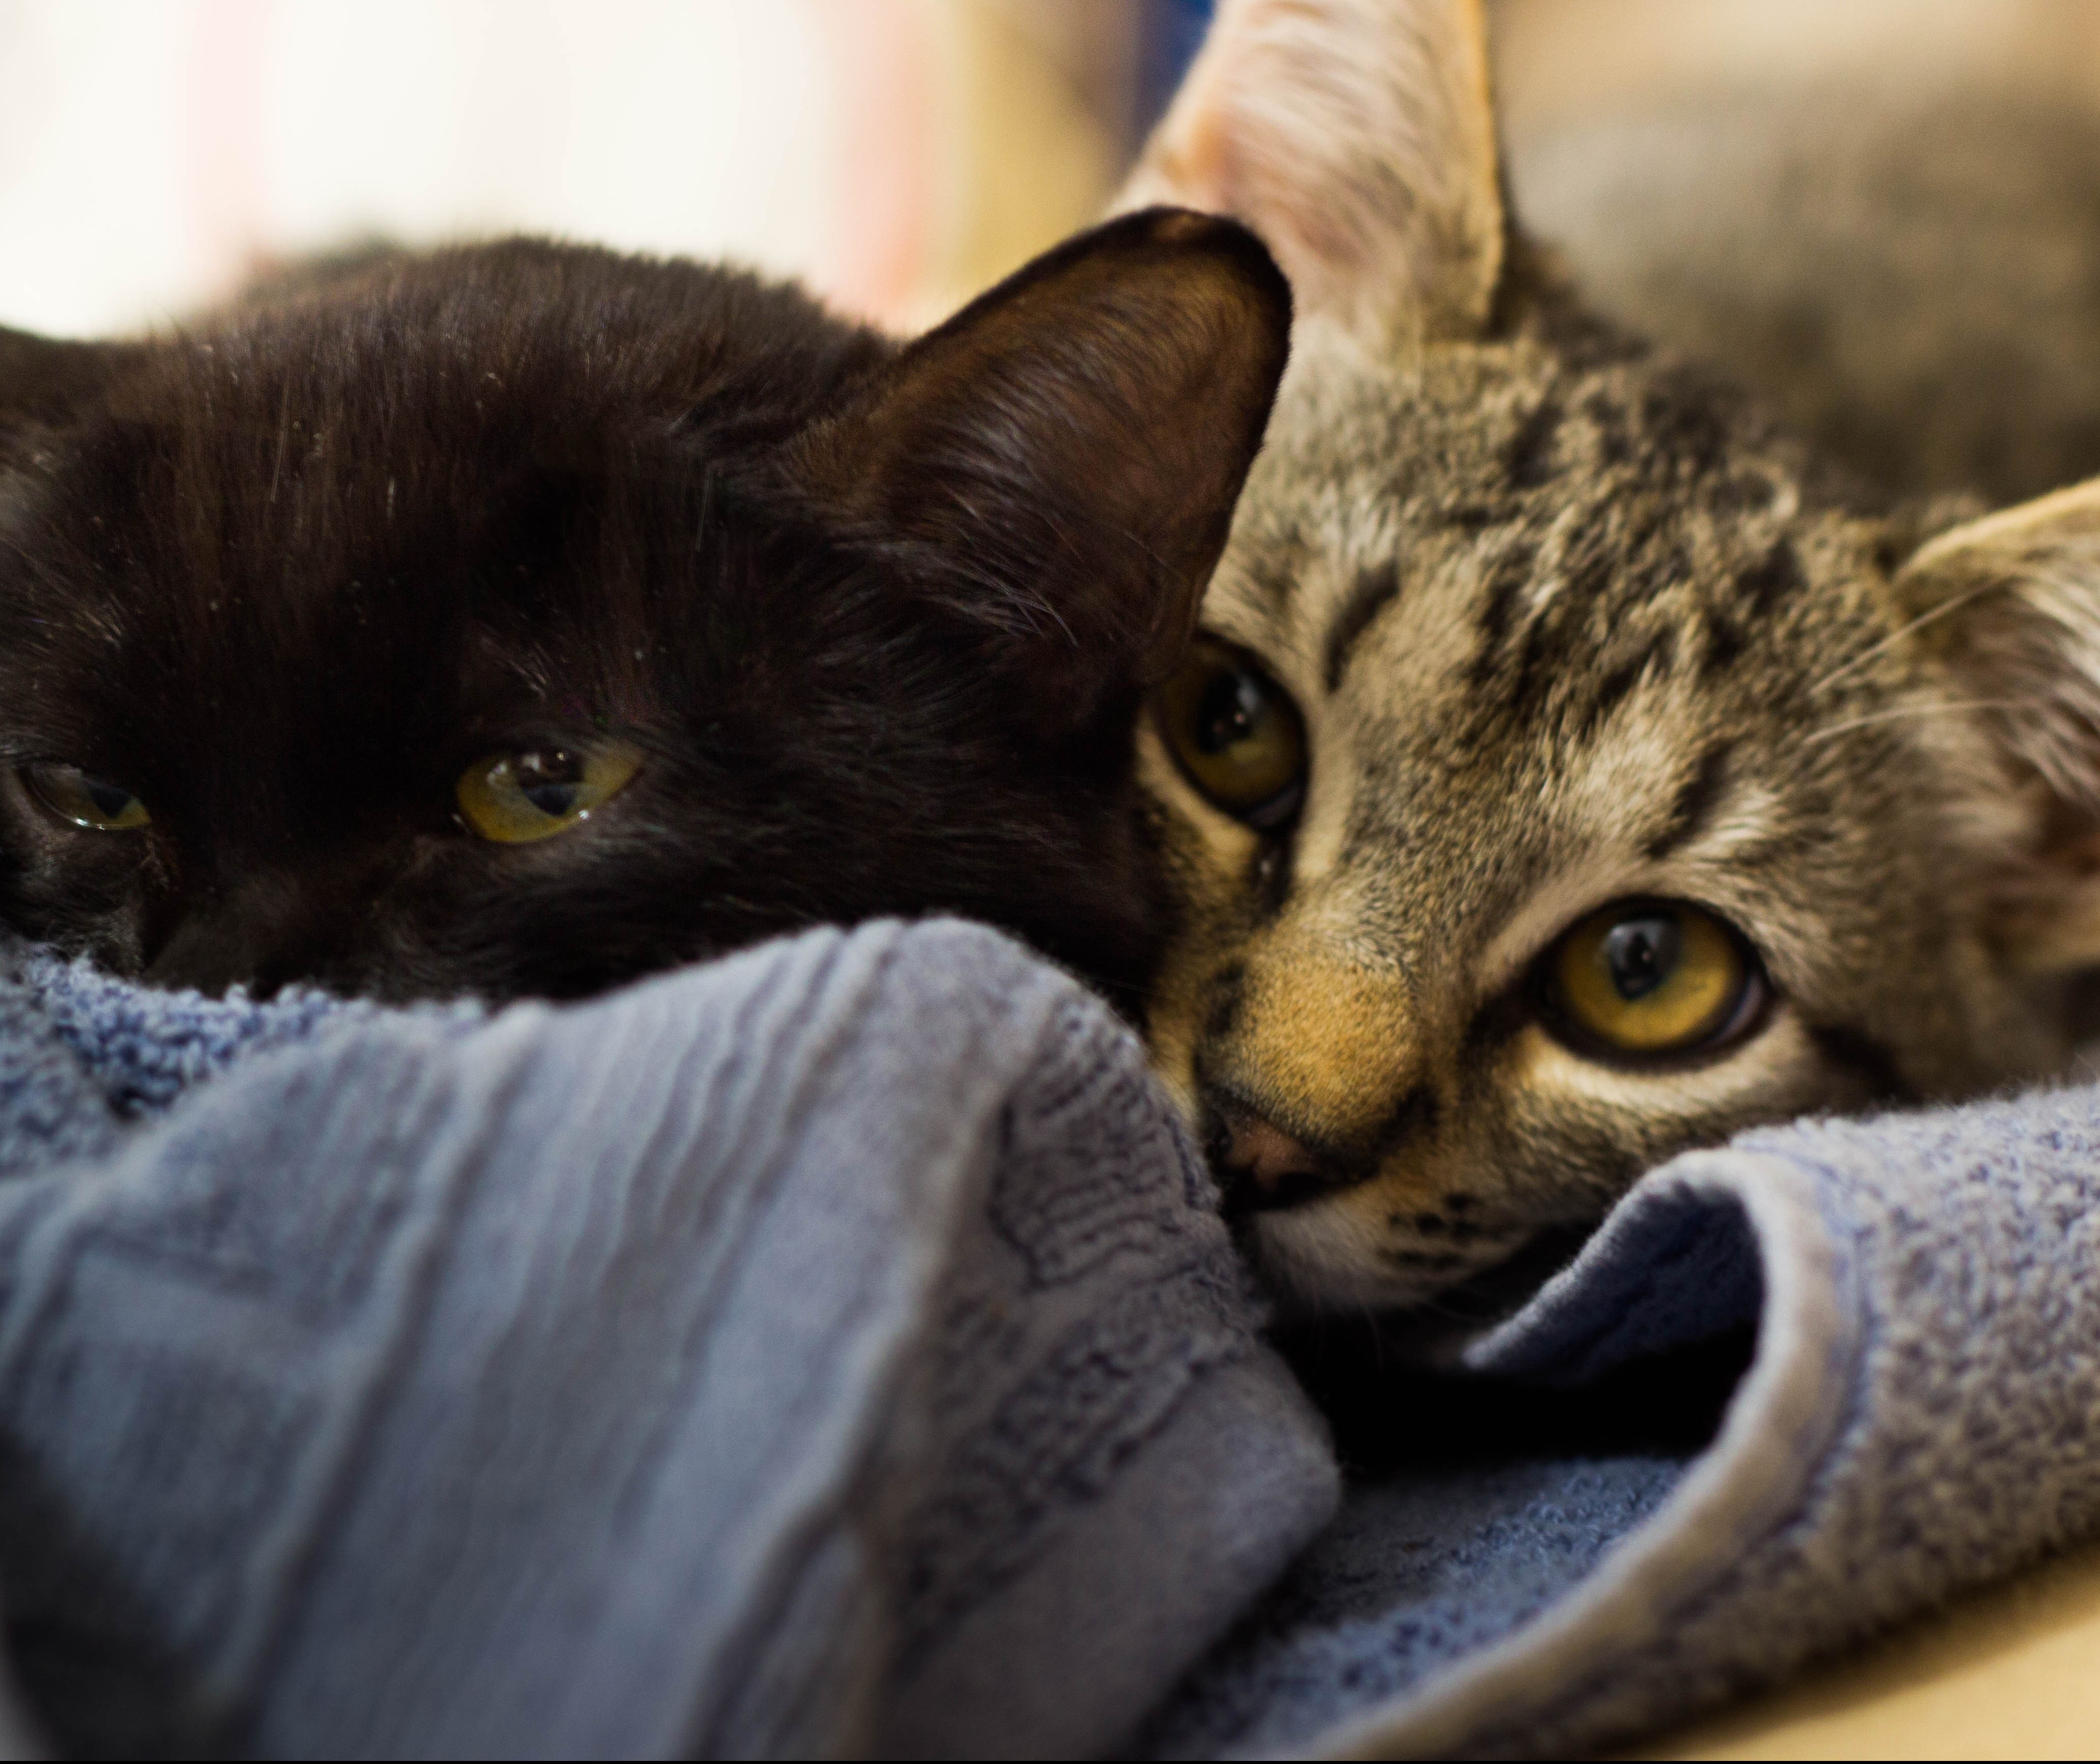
[556, 799]
[1232, 704]
[549, 779]
[109, 801]
[1642, 953]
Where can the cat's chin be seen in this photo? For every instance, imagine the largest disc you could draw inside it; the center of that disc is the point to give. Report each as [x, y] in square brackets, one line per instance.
[1429, 1330]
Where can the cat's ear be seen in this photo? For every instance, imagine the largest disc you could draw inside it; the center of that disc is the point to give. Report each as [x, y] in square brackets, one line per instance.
[2010, 604]
[1357, 136]
[43, 379]
[1055, 466]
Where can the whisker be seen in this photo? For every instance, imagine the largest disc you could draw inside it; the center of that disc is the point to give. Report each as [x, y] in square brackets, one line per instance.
[1897, 635]
[1898, 715]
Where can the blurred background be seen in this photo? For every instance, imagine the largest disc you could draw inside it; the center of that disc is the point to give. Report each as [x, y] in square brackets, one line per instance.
[898, 154]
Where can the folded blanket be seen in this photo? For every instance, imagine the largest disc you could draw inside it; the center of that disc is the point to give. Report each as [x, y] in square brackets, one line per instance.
[833, 1349]
[1922, 1413]
[836, 1350]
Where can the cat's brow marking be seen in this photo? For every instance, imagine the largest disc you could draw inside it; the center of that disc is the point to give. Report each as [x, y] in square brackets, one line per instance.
[1375, 589]
[1509, 574]
[1696, 805]
[1654, 662]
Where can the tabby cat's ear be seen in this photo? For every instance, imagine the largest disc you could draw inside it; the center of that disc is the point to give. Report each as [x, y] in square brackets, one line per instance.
[1357, 137]
[2011, 605]
[1055, 466]
[43, 379]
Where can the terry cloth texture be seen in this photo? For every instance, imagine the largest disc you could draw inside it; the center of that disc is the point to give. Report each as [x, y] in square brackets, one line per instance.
[762, 1361]
[1922, 1413]
[835, 1349]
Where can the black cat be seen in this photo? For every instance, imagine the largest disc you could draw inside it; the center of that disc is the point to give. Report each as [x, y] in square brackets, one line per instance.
[520, 619]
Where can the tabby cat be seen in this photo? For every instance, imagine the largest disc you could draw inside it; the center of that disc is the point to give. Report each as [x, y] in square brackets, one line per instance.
[521, 619]
[1571, 768]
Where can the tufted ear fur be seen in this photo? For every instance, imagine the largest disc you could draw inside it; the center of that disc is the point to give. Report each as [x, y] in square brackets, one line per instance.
[1357, 137]
[1054, 468]
[2011, 605]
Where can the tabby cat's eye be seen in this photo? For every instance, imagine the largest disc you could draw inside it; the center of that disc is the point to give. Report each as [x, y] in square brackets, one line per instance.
[516, 798]
[1235, 734]
[83, 800]
[1646, 979]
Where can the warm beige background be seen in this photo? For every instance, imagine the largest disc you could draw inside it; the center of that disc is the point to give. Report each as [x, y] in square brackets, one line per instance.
[1554, 57]
[2011, 1673]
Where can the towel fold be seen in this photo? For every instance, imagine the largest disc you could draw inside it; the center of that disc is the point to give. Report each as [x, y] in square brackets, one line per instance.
[836, 1350]
[1921, 1414]
[761, 1361]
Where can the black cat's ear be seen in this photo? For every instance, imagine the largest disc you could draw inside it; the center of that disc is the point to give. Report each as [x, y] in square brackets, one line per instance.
[43, 379]
[1055, 466]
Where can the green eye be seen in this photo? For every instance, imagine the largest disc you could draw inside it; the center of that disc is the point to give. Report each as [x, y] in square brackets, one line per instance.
[86, 801]
[1235, 733]
[513, 799]
[1651, 978]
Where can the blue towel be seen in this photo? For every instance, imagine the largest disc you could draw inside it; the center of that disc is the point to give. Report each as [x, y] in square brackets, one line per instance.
[796, 1355]
[1921, 1414]
[836, 1350]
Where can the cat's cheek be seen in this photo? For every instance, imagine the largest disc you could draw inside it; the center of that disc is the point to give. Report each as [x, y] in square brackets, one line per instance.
[88, 915]
[1205, 856]
[1482, 1202]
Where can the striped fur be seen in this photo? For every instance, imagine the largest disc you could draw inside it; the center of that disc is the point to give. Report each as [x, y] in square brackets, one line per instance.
[1568, 623]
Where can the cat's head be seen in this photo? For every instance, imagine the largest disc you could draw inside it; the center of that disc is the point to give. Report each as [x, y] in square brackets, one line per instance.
[519, 619]
[1566, 777]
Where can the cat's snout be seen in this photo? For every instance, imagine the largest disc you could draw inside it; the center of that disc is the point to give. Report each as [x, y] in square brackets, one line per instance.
[1260, 1167]
[263, 934]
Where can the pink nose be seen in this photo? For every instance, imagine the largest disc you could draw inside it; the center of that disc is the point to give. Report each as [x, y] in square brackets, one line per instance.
[1260, 1167]
[1260, 1151]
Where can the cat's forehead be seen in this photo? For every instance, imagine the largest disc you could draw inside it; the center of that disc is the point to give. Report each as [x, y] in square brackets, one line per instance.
[1536, 611]
[471, 451]
[1619, 480]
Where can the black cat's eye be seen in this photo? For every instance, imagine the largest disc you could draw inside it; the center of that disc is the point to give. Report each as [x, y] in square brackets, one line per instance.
[82, 800]
[1235, 733]
[1651, 979]
[514, 799]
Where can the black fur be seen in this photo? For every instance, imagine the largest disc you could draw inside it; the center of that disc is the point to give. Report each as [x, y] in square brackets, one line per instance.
[879, 619]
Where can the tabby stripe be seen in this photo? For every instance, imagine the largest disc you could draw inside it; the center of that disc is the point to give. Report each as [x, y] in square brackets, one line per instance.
[1693, 811]
[1528, 459]
[1375, 589]
[1772, 578]
[1511, 574]
[1725, 641]
[1228, 998]
[1611, 690]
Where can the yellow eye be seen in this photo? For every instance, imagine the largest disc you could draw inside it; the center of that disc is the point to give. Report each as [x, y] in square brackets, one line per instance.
[516, 798]
[1652, 978]
[1235, 733]
[72, 795]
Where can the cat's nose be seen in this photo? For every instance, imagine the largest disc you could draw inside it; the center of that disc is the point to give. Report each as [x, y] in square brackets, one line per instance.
[263, 935]
[1260, 1167]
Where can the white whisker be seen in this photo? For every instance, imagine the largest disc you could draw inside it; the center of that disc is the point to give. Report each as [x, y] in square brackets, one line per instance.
[1898, 715]
[1897, 636]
